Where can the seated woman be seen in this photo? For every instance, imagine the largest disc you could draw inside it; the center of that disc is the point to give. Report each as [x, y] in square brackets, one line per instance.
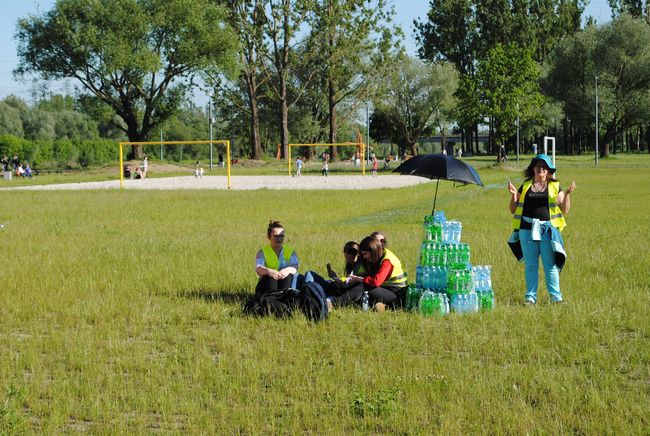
[337, 285]
[385, 280]
[276, 263]
[139, 173]
[127, 171]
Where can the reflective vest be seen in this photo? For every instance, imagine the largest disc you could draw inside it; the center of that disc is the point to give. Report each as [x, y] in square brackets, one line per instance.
[271, 259]
[397, 276]
[557, 219]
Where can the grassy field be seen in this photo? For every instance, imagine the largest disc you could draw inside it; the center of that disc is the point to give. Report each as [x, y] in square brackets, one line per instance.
[120, 312]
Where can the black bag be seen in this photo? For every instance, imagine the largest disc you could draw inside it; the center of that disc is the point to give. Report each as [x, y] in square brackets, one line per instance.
[313, 302]
[309, 299]
[279, 303]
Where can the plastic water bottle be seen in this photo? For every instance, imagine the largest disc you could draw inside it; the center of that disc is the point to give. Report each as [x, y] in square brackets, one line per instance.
[412, 297]
[426, 303]
[419, 276]
[365, 301]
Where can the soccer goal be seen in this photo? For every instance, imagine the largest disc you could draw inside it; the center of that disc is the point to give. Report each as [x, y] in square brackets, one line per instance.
[359, 147]
[161, 143]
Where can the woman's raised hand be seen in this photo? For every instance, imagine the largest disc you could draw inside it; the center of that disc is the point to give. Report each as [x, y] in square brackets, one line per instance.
[511, 188]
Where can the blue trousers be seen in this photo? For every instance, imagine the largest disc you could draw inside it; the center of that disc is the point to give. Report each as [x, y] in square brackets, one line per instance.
[532, 251]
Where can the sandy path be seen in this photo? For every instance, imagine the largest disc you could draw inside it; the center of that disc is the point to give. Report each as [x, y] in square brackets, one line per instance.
[242, 183]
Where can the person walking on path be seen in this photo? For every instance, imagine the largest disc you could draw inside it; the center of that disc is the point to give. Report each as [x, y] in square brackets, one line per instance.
[299, 164]
[539, 207]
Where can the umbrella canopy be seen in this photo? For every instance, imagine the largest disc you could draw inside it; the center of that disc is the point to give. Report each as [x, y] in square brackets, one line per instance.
[439, 166]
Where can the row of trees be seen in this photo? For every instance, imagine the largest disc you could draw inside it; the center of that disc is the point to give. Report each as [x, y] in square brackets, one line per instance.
[302, 69]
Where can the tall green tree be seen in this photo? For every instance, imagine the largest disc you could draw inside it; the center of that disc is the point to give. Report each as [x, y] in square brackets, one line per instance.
[508, 88]
[411, 96]
[139, 57]
[286, 18]
[353, 42]
[618, 55]
[248, 18]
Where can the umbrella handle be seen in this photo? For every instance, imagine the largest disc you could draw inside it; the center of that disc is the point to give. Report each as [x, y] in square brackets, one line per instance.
[435, 198]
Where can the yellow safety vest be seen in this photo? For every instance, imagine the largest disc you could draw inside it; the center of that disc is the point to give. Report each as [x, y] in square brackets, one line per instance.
[397, 276]
[557, 219]
[271, 259]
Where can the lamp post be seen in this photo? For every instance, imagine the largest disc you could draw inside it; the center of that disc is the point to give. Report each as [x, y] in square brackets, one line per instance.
[368, 130]
[596, 148]
[210, 121]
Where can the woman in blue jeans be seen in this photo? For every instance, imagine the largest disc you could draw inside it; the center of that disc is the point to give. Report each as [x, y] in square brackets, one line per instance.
[539, 206]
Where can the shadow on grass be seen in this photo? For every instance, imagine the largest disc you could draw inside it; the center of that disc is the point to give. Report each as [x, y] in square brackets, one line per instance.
[236, 297]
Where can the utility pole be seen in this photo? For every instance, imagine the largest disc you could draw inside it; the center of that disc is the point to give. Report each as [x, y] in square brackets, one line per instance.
[368, 130]
[210, 121]
[596, 148]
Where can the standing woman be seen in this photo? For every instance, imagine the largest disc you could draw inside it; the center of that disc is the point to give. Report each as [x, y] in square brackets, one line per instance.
[276, 263]
[385, 280]
[539, 206]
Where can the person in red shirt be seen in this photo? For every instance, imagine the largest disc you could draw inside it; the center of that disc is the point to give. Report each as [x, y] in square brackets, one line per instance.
[385, 280]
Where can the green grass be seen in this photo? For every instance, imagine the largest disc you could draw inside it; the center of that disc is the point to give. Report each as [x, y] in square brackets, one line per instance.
[120, 312]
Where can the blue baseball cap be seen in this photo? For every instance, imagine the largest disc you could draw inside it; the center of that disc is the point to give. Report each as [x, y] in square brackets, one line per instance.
[545, 159]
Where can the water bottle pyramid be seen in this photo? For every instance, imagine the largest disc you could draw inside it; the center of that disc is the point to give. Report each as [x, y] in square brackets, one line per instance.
[445, 279]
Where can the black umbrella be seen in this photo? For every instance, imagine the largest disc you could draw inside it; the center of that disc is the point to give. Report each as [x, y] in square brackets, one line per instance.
[439, 166]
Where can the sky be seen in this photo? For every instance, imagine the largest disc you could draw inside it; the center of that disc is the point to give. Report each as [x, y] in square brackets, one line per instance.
[406, 12]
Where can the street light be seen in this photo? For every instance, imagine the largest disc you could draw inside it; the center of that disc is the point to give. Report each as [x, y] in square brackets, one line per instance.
[596, 148]
[210, 121]
[368, 130]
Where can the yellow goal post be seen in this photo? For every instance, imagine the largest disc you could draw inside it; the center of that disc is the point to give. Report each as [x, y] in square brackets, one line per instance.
[225, 142]
[360, 145]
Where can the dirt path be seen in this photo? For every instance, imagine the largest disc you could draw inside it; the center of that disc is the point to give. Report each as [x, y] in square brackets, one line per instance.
[242, 183]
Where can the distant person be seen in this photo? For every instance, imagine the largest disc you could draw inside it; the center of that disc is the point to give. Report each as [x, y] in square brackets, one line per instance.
[220, 160]
[5, 163]
[299, 164]
[539, 206]
[459, 153]
[387, 162]
[326, 167]
[503, 156]
[128, 171]
[276, 263]
[375, 165]
[20, 171]
[15, 162]
[28, 171]
[139, 173]
[145, 166]
[198, 170]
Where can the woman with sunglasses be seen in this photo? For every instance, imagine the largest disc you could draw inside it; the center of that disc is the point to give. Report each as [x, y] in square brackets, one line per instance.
[539, 206]
[385, 279]
[276, 263]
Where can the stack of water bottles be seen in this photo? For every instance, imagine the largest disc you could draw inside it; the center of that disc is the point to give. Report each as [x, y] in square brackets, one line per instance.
[445, 278]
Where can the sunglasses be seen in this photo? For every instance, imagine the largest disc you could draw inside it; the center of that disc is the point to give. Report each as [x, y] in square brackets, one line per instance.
[541, 167]
[279, 236]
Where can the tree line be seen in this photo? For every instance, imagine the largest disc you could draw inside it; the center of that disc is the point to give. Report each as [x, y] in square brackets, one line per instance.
[281, 71]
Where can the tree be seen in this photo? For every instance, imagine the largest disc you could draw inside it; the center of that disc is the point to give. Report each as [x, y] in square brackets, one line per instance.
[139, 57]
[618, 55]
[352, 44]
[247, 18]
[286, 17]
[10, 120]
[412, 95]
[507, 88]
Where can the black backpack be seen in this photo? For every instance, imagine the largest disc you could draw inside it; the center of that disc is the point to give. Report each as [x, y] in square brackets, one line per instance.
[310, 299]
